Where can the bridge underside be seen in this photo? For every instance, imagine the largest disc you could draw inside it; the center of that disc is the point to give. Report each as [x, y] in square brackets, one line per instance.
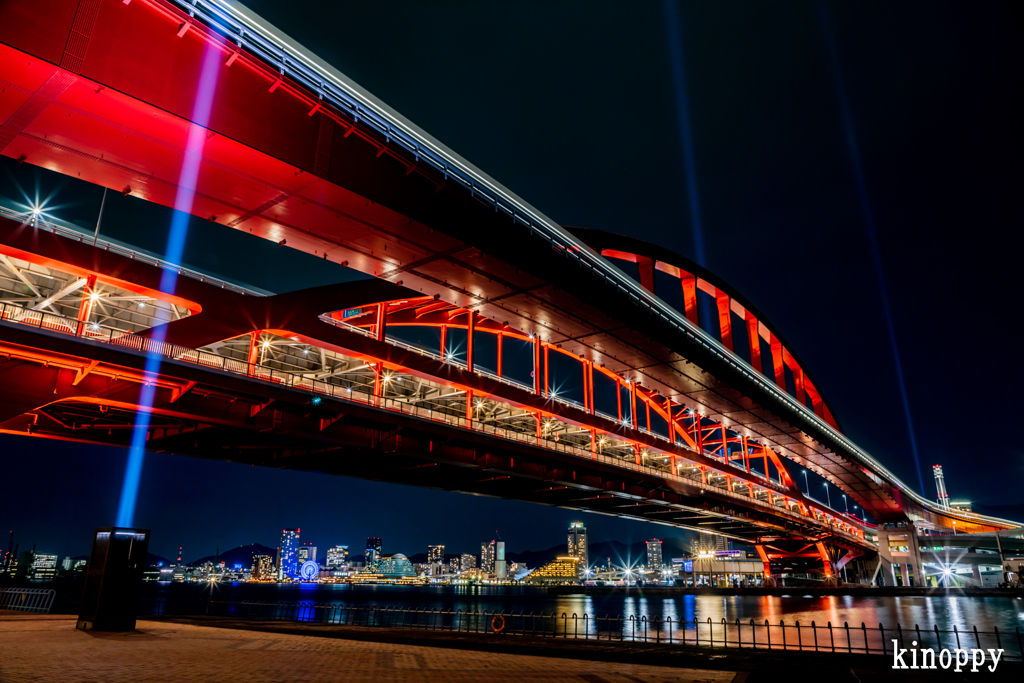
[332, 187]
[280, 163]
[75, 391]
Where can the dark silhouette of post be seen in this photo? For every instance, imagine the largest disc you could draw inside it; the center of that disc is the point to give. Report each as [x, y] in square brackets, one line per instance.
[113, 578]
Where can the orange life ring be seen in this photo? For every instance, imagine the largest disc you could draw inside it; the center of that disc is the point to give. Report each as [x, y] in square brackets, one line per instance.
[494, 623]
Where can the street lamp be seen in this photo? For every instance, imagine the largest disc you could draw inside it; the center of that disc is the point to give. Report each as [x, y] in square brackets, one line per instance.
[828, 496]
[807, 487]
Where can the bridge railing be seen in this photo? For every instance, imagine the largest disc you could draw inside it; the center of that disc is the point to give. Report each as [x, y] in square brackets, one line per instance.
[357, 393]
[766, 480]
[747, 634]
[27, 599]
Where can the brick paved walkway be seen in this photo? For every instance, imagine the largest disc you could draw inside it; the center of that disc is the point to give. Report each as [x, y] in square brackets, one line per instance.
[48, 648]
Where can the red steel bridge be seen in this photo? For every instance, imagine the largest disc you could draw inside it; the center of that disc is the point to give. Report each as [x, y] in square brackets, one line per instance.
[493, 351]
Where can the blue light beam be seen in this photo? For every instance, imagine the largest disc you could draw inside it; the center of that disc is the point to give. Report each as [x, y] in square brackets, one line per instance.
[183, 200]
[679, 87]
[853, 148]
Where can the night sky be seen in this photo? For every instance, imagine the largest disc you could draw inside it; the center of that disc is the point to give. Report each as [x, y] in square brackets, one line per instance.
[812, 127]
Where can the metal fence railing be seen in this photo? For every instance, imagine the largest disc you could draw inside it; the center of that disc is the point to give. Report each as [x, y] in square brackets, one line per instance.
[27, 599]
[749, 634]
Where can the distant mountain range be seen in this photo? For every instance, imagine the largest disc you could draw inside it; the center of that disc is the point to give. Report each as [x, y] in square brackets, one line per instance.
[151, 560]
[241, 555]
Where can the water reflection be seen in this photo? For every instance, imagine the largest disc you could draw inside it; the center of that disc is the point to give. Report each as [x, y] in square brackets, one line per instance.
[927, 612]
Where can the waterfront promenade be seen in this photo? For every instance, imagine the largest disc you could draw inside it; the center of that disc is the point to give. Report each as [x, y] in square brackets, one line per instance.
[47, 647]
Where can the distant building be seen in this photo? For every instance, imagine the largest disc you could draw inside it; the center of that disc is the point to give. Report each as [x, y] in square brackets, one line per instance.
[578, 546]
[500, 568]
[68, 564]
[560, 571]
[453, 565]
[435, 558]
[305, 553]
[654, 559]
[709, 544]
[487, 557]
[374, 550]
[262, 568]
[337, 557]
[44, 567]
[394, 568]
[287, 559]
[961, 505]
[468, 561]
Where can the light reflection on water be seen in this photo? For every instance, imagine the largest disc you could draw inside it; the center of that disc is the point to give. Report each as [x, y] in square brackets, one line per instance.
[942, 611]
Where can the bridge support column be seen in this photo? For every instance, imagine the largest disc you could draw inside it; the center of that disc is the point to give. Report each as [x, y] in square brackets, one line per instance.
[536, 369]
[254, 349]
[85, 309]
[882, 574]
[690, 298]
[632, 404]
[724, 319]
[915, 557]
[381, 324]
[754, 341]
[827, 565]
[501, 351]
[470, 332]
[769, 580]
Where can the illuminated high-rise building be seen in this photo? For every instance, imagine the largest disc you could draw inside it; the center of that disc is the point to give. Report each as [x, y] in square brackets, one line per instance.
[305, 553]
[468, 561]
[487, 551]
[709, 544]
[435, 553]
[499, 561]
[374, 549]
[44, 567]
[287, 561]
[654, 558]
[578, 545]
[337, 557]
[262, 568]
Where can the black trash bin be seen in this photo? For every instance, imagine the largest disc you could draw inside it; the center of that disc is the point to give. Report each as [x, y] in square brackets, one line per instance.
[113, 579]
